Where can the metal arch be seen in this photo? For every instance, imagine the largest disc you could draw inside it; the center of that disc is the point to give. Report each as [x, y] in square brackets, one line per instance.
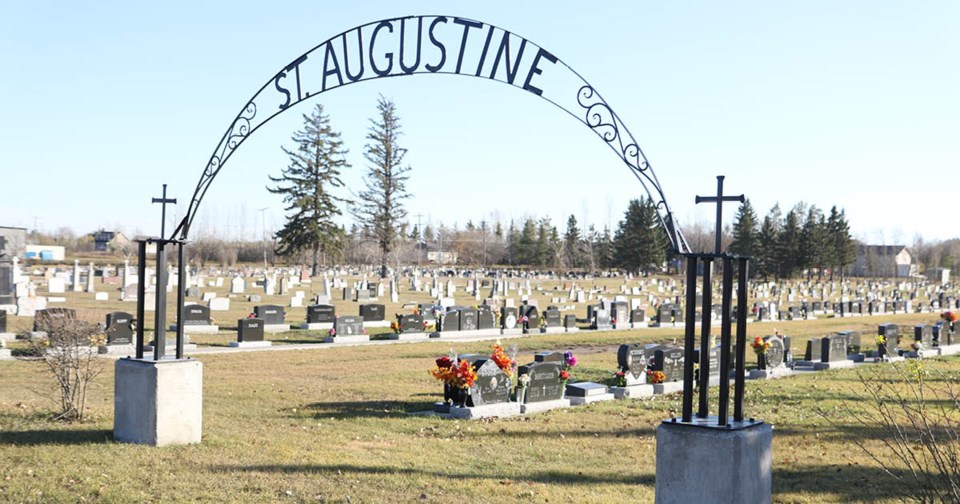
[587, 105]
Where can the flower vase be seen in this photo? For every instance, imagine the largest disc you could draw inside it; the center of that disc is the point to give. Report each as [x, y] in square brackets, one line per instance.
[762, 361]
[521, 394]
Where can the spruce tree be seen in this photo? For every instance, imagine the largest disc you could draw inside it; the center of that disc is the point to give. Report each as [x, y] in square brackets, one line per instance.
[745, 233]
[767, 240]
[306, 185]
[571, 244]
[638, 243]
[380, 206]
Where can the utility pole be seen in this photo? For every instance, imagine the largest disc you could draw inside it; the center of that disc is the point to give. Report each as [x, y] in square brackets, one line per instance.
[483, 229]
[263, 235]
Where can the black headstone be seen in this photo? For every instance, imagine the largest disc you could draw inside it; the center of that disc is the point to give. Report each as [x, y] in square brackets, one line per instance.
[270, 314]
[196, 315]
[551, 317]
[3, 321]
[119, 328]
[570, 321]
[373, 312]
[321, 314]
[486, 319]
[545, 383]
[814, 350]
[637, 315]
[450, 321]
[670, 361]
[492, 385]
[468, 319]
[411, 323]
[632, 359]
[250, 329]
[508, 317]
[533, 318]
[833, 348]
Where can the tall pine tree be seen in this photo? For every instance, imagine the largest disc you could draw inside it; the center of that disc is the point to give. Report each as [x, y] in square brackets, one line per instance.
[638, 242]
[306, 185]
[380, 206]
[745, 233]
[571, 244]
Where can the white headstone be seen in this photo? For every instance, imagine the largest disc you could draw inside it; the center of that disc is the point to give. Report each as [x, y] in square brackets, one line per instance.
[219, 304]
[75, 284]
[55, 285]
[296, 302]
[207, 296]
[237, 285]
[90, 277]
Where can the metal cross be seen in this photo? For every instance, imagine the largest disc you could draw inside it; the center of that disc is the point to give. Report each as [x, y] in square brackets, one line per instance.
[163, 201]
[719, 199]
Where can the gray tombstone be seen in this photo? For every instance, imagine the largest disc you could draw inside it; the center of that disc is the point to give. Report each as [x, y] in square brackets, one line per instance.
[250, 329]
[468, 319]
[570, 321]
[270, 314]
[619, 312]
[853, 342]
[921, 332]
[321, 314]
[450, 321]
[601, 320]
[636, 316]
[813, 351]
[119, 328]
[833, 348]
[545, 383]
[508, 317]
[348, 325]
[670, 361]
[486, 319]
[411, 323]
[551, 317]
[632, 359]
[775, 355]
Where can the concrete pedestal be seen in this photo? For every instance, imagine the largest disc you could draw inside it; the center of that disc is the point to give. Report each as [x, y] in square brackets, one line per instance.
[538, 407]
[512, 332]
[122, 350]
[820, 366]
[552, 330]
[158, 403]
[317, 326]
[668, 387]
[8, 336]
[408, 336]
[273, 328]
[642, 390]
[357, 338]
[580, 401]
[499, 410]
[250, 344]
[5, 354]
[696, 464]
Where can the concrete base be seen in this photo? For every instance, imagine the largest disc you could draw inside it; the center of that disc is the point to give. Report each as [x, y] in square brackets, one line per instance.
[740, 472]
[669, 324]
[668, 388]
[317, 326]
[551, 330]
[949, 349]
[171, 348]
[376, 323]
[196, 329]
[123, 350]
[250, 344]
[5, 354]
[857, 357]
[7, 336]
[769, 374]
[820, 366]
[158, 403]
[572, 329]
[537, 407]
[580, 401]
[634, 391]
[359, 338]
[512, 332]
[276, 328]
[502, 410]
[639, 325]
[409, 336]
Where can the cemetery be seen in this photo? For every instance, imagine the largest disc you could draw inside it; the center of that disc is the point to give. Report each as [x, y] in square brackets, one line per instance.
[662, 361]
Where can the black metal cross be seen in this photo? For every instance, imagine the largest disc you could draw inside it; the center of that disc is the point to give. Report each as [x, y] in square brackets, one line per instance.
[718, 199]
[3, 244]
[164, 200]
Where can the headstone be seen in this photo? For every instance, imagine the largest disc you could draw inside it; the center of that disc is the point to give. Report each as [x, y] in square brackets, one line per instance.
[508, 317]
[890, 332]
[813, 352]
[373, 312]
[56, 285]
[632, 359]
[348, 325]
[196, 315]
[269, 314]
[636, 315]
[118, 328]
[619, 313]
[570, 321]
[532, 322]
[450, 321]
[486, 319]
[349, 294]
[411, 323]
[219, 304]
[492, 385]
[776, 354]
[924, 334]
[321, 314]
[250, 329]
[853, 342]
[545, 383]
[551, 317]
[601, 320]
[237, 285]
[669, 360]
[833, 348]
[468, 319]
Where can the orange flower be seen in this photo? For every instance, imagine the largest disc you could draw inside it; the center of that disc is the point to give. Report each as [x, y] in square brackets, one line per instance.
[501, 360]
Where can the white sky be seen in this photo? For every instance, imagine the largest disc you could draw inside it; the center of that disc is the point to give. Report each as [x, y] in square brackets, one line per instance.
[851, 103]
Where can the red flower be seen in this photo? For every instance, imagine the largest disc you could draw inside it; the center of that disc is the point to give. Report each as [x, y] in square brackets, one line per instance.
[444, 362]
[564, 375]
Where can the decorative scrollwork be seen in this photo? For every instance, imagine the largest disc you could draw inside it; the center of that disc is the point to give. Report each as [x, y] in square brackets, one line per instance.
[241, 126]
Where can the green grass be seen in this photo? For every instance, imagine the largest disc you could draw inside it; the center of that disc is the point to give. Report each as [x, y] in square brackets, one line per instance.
[334, 425]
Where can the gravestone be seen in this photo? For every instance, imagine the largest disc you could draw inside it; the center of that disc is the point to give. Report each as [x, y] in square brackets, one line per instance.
[632, 360]
[196, 315]
[551, 317]
[637, 316]
[321, 314]
[118, 328]
[619, 314]
[813, 352]
[570, 322]
[250, 330]
[833, 348]
[601, 320]
[508, 317]
[348, 325]
[3, 321]
[411, 323]
[48, 315]
[492, 386]
[468, 319]
[348, 294]
[775, 356]
[921, 332]
[269, 314]
[450, 321]
[532, 323]
[853, 342]
[373, 312]
[545, 383]
[669, 360]
[237, 285]
[891, 332]
[486, 319]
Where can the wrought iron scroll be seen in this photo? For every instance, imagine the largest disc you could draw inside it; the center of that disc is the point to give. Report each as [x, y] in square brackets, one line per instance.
[575, 96]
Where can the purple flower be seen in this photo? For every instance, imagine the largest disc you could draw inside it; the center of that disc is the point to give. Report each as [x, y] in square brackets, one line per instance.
[570, 359]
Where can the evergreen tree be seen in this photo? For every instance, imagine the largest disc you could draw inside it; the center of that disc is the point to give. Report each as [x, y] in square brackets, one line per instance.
[787, 251]
[527, 244]
[604, 249]
[571, 244]
[844, 248]
[513, 244]
[380, 206]
[745, 233]
[813, 241]
[306, 185]
[545, 253]
[638, 242]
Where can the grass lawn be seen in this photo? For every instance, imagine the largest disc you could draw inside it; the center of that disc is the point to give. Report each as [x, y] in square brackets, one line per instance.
[334, 426]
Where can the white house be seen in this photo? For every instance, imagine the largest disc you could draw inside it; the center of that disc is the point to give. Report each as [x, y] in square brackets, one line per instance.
[884, 261]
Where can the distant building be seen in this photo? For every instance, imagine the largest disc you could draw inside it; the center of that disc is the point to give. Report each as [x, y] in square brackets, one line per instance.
[887, 261]
[431, 254]
[104, 241]
[45, 252]
[941, 275]
[12, 241]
